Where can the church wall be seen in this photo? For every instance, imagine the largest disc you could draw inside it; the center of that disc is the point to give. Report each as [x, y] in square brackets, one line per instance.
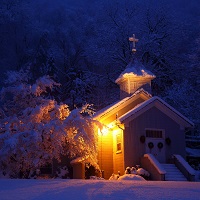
[131, 85]
[155, 119]
[105, 155]
[122, 111]
[133, 148]
[118, 156]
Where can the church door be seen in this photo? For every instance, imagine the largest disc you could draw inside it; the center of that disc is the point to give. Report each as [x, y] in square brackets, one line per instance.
[155, 144]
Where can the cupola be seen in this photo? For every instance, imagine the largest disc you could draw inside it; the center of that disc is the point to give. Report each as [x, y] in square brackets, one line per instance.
[135, 76]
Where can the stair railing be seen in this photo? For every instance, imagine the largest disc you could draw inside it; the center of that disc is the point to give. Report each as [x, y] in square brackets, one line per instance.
[184, 167]
[151, 164]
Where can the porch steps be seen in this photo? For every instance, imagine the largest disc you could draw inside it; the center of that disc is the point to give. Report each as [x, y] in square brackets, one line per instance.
[173, 173]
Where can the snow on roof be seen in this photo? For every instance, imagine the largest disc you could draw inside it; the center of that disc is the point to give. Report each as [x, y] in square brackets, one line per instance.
[147, 102]
[109, 108]
[135, 68]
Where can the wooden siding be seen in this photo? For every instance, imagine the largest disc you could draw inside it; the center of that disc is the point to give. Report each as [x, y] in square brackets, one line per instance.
[124, 90]
[152, 118]
[105, 155]
[121, 111]
[118, 157]
[130, 85]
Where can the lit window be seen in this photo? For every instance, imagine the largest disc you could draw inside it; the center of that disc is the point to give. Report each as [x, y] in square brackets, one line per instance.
[154, 133]
[119, 142]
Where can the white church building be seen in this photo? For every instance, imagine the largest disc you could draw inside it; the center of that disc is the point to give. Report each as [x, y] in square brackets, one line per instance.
[141, 129]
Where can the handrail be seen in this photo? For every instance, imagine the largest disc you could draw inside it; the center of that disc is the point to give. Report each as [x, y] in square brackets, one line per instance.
[184, 167]
[155, 162]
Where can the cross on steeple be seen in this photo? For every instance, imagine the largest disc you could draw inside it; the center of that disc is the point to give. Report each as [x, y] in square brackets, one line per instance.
[134, 40]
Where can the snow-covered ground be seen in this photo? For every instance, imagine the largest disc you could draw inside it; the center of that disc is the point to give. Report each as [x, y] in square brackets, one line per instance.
[97, 189]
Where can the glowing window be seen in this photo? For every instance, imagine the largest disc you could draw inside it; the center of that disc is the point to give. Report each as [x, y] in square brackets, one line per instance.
[119, 142]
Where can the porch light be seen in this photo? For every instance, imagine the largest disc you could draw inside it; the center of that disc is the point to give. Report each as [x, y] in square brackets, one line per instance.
[103, 131]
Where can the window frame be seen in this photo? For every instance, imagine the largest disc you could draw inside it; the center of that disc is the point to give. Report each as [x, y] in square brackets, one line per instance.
[119, 142]
[153, 135]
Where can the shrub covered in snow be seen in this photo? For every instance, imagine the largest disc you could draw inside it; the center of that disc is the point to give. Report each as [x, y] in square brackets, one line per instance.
[62, 172]
[96, 178]
[133, 177]
[142, 172]
[35, 129]
[138, 171]
[114, 177]
[130, 170]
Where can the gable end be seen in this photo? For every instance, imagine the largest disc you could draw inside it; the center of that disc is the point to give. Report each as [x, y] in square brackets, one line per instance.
[162, 106]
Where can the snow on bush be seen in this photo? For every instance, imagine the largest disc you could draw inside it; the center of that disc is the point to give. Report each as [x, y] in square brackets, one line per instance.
[131, 177]
[114, 177]
[142, 172]
[130, 170]
[131, 173]
[96, 178]
[62, 172]
[138, 171]
[42, 84]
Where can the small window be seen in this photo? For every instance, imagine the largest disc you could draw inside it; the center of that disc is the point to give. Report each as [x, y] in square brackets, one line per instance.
[119, 142]
[154, 133]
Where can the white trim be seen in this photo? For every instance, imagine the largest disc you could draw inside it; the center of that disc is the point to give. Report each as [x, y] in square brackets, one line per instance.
[156, 129]
[161, 105]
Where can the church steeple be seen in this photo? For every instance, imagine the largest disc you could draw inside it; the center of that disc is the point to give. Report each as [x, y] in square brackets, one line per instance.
[135, 76]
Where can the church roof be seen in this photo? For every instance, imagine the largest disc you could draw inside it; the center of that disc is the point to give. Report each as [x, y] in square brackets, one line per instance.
[111, 107]
[144, 104]
[135, 69]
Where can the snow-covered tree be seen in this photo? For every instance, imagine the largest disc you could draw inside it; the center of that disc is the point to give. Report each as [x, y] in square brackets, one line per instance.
[157, 46]
[53, 38]
[81, 134]
[35, 130]
[185, 98]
